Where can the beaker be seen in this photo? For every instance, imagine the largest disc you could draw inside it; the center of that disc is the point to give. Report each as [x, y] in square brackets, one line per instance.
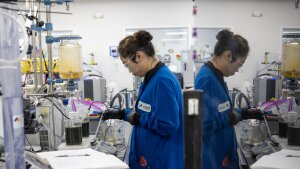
[114, 132]
[73, 129]
[70, 64]
[254, 132]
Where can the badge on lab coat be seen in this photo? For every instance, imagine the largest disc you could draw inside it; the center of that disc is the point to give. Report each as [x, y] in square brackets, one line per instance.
[144, 106]
[224, 106]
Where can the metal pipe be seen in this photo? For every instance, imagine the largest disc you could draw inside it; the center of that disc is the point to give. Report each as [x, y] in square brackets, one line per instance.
[33, 41]
[49, 45]
[40, 51]
[49, 48]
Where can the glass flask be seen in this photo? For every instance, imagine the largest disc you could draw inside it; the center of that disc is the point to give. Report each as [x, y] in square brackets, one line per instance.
[114, 132]
[70, 64]
[73, 129]
[253, 132]
[291, 59]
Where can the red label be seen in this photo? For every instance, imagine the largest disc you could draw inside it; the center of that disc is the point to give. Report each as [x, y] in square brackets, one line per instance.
[143, 161]
[225, 162]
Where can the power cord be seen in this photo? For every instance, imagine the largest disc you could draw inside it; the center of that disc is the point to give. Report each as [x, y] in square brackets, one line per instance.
[97, 102]
[29, 143]
[104, 137]
[58, 108]
[47, 128]
[274, 143]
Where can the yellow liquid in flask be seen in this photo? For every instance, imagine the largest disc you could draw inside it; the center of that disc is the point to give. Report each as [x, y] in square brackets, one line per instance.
[291, 60]
[70, 66]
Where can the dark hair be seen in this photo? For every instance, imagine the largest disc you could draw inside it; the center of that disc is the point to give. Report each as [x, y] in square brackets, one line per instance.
[139, 41]
[227, 40]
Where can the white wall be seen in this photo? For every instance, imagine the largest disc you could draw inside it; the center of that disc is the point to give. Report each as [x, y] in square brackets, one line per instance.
[263, 33]
[99, 34]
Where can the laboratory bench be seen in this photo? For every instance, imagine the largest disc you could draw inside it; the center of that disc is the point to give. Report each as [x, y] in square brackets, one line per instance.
[245, 152]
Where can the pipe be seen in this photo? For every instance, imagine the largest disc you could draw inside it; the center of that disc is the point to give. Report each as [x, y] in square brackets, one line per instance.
[40, 52]
[33, 41]
[50, 73]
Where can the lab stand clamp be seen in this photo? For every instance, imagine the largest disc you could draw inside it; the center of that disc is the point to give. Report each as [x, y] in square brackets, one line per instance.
[48, 26]
[50, 2]
[51, 39]
[72, 85]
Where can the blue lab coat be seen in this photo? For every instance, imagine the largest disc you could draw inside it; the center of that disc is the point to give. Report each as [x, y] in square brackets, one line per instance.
[219, 145]
[157, 142]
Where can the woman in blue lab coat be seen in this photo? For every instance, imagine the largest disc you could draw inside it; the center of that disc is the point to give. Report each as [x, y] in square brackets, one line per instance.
[157, 136]
[219, 144]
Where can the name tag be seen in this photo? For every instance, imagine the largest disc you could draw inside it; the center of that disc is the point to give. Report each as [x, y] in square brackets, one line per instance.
[224, 106]
[144, 106]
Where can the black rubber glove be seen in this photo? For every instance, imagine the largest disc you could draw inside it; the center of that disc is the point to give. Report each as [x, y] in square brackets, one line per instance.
[234, 117]
[252, 113]
[113, 114]
[134, 118]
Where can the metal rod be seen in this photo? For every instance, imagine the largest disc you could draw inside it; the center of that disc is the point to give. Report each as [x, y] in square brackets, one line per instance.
[49, 48]
[268, 129]
[33, 41]
[40, 52]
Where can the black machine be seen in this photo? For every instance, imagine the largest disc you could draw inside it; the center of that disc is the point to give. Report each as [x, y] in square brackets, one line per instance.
[31, 125]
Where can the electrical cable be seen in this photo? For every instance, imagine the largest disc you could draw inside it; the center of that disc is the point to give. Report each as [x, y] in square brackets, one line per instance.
[238, 100]
[95, 75]
[29, 143]
[118, 95]
[264, 74]
[46, 67]
[47, 128]
[269, 132]
[97, 102]
[273, 102]
[100, 121]
[58, 108]
[40, 88]
[104, 137]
